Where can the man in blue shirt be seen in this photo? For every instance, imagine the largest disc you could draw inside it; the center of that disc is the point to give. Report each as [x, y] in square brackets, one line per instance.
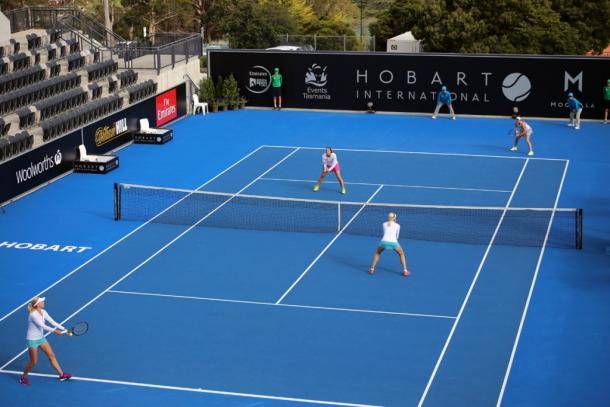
[575, 109]
[444, 98]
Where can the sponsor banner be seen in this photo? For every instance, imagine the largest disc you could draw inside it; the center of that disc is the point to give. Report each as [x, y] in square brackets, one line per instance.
[43, 247]
[42, 164]
[117, 129]
[38, 166]
[480, 84]
[167, 108]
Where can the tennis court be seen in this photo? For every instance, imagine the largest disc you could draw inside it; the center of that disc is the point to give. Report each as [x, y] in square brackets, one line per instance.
[248, 288]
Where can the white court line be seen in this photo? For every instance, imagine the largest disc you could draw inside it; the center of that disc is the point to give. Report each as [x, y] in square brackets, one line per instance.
[273, 304]
[360, 150]
[152, 256]
[531, 290]
[130, 233]
[474, 281]
[386, 185]
[196, 390]
[328, 245]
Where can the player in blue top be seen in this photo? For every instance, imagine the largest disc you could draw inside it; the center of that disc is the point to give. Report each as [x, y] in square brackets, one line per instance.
[444, 98]
[575, 110]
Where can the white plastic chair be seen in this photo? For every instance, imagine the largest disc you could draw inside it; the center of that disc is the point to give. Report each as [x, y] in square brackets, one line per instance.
[144, 126]
[83, 154]
[197, 104]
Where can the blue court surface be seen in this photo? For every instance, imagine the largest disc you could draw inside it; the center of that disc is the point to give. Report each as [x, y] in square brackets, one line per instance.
[230, 300]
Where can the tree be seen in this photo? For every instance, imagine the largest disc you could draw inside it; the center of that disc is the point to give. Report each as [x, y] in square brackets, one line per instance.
[501, 26]
[209, 15]
[253, 24]
[590, 18]
[157, 15]
[341, 9]
[335, 28]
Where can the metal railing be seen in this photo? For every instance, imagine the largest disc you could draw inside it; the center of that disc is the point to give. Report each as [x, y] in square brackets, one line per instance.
[157, 58]
[191, 89]
[167, 50]
[331, 42]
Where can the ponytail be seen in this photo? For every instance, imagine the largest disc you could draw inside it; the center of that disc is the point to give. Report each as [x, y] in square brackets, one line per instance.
[32, 303]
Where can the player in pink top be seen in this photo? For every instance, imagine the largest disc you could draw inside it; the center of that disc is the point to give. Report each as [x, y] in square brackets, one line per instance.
[330, 164]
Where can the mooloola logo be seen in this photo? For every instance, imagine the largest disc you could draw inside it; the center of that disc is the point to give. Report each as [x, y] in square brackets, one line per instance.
[516, 87]
[259, 79]
[38, 168]
[316, 76]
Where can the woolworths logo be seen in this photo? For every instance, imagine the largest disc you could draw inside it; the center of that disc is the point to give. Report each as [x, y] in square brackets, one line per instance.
[38, 168]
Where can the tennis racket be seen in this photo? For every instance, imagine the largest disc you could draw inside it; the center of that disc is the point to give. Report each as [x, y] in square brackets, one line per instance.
[80, 328]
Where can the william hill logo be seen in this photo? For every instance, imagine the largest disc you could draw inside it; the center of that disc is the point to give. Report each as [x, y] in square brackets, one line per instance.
[104, 134]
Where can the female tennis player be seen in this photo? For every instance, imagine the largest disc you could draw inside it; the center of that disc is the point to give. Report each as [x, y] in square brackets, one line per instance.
[36, 339]
[522, 129]
[391, 232]
[330, 164]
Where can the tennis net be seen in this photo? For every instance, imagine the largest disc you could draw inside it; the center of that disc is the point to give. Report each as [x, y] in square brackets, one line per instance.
[459, 224]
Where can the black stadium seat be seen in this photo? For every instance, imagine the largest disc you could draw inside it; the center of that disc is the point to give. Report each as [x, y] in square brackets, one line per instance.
[26, 117]
[4, 154]
[4, 127]
[142, 90]
[17, 80]
[75, 61]
[80, 116]
[34, 41]
[38, 91]
[101, 70]
[127, 78]
[15, 46]
[20, 61]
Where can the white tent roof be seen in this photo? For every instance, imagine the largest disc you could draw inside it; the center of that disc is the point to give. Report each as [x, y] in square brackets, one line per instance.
[404, 37]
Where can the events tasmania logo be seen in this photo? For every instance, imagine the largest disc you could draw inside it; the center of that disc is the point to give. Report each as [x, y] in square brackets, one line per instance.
[316, 78]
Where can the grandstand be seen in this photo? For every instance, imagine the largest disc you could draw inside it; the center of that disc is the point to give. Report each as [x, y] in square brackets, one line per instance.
[61, 70]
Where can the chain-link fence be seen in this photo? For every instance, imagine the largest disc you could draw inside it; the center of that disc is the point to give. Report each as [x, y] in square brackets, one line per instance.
[330, 42]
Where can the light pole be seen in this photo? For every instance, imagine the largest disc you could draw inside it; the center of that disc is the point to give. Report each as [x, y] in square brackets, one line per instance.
[361, 4]
[107, 21]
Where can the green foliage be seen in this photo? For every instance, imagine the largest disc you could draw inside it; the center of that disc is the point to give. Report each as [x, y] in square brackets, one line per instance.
[253, 24]
[230, 89]
[501, 26]
[331, 27]
[590, 18]
[218, 87]
[207, 90]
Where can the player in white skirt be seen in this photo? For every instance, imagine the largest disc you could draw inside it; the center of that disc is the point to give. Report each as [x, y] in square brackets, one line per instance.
[522, 129]
[391, 233]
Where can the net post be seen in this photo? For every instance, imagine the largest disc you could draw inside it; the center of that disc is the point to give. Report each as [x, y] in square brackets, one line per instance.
[339, 217]
[579, 229]
[117, 201]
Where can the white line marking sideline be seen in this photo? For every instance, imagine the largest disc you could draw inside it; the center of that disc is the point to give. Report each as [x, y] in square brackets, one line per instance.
[196, 390]
[129, 234]
[474, 281]
[160, 250]
[531, 290]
